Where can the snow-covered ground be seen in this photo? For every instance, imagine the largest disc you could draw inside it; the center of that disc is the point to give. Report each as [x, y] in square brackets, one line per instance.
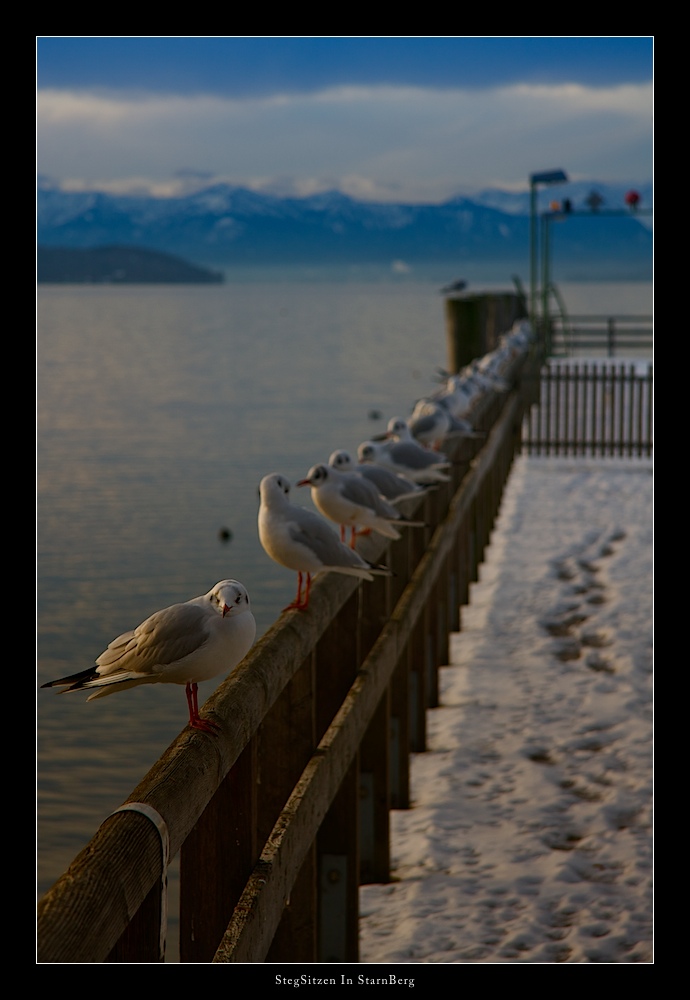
[530, 835]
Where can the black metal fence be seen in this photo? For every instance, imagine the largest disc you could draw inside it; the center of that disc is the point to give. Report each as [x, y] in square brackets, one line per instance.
[608, 335]
[589, 408]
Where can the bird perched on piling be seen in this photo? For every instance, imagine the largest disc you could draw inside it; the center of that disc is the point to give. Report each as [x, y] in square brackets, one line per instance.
[352, 501]
[184, 644]
[303, 541]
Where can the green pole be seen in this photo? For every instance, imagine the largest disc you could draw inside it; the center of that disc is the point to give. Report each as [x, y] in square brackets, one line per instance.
[533, 253]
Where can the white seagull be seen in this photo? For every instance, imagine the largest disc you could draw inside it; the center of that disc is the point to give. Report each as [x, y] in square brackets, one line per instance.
[352, 501]
[303, 541]
[390, 485]
[400, 430]
[183, 644]
[407, 458]
[430, 423]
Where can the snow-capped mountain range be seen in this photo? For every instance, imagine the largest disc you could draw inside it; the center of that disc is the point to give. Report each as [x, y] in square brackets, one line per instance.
[225, 226]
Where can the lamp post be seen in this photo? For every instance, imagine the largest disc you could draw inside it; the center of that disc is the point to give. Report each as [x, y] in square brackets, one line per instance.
[546, 220]
[544, 177]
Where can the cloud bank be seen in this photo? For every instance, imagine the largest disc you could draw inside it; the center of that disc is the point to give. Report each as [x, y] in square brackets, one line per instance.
[386, 143]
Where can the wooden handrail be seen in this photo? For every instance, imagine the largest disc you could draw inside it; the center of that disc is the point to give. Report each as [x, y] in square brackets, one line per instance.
[219, 796]
[255, 919]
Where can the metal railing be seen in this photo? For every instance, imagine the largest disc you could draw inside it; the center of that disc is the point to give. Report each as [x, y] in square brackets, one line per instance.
[608, 335]
[589, 408]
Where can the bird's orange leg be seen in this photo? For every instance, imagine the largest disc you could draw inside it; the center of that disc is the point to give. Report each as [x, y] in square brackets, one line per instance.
[195, 721]
[301, 601]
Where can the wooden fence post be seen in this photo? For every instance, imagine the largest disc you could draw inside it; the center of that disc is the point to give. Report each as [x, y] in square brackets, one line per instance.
[210, 886]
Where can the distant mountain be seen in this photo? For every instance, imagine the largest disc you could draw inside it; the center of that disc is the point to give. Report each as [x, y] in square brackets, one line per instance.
[224, 226]
[117, 265]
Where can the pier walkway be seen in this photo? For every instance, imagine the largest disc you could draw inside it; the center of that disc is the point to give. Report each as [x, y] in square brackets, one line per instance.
[529, 836]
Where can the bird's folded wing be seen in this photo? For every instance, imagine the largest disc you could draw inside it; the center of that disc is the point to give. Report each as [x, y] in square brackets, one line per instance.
[166, 637]
[320, 540]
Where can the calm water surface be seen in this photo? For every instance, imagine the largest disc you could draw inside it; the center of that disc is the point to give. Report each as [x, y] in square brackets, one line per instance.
[159, 410]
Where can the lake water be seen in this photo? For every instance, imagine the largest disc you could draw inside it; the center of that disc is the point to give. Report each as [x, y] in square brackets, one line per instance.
[159, 411]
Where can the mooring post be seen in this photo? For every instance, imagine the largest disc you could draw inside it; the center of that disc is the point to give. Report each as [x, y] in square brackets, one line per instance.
[475, 322]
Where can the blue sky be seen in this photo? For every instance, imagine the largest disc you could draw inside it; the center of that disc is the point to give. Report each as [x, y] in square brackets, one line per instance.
[416, 119]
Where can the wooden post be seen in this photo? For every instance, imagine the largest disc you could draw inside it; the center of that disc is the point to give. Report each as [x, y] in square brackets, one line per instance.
[474, 324]
[210, 885]
[337, 844]
[374, 795]
[399, 729]
[338, 874]
[141, 940]
[465, 330]
[287, 740]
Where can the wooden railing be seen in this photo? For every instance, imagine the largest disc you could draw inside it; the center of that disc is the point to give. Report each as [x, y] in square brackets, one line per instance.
[280, 817]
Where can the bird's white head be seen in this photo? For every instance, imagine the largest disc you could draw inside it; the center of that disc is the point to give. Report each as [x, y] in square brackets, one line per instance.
[367, 451]
[397, 427]
[273, 489]
[341, 460]
[230, 597]
[317, 476]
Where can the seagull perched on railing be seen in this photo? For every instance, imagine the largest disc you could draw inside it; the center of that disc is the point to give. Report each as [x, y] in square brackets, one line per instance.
[400, 431]
[407, 458]
[354, 502]
[302, 540]
[183, 644]
[430, 423]
[394, 487]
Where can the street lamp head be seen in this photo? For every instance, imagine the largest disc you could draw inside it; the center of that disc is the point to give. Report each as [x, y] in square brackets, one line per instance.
[548, 177]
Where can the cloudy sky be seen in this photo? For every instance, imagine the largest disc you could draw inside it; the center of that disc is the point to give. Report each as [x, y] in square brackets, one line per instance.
[411, 119]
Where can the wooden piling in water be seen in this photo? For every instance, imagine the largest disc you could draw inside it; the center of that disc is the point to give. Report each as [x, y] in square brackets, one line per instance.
[476, 321]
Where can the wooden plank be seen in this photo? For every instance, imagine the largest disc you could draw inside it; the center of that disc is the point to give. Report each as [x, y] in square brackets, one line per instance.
[216, 860]
[375, 798]
[337, 853]
[296, 937]
[399, 731]
[141, 939]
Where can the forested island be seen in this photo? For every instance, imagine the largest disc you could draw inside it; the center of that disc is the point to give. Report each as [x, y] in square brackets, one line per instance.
[118, 265]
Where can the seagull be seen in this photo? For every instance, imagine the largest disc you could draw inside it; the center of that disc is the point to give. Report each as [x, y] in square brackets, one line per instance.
[454, 286]
[460, 394]
[430, 423]
[349, 499]
[407, 458]
[400, 430]
[302, 540]
[390, 485]
[183, 644]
